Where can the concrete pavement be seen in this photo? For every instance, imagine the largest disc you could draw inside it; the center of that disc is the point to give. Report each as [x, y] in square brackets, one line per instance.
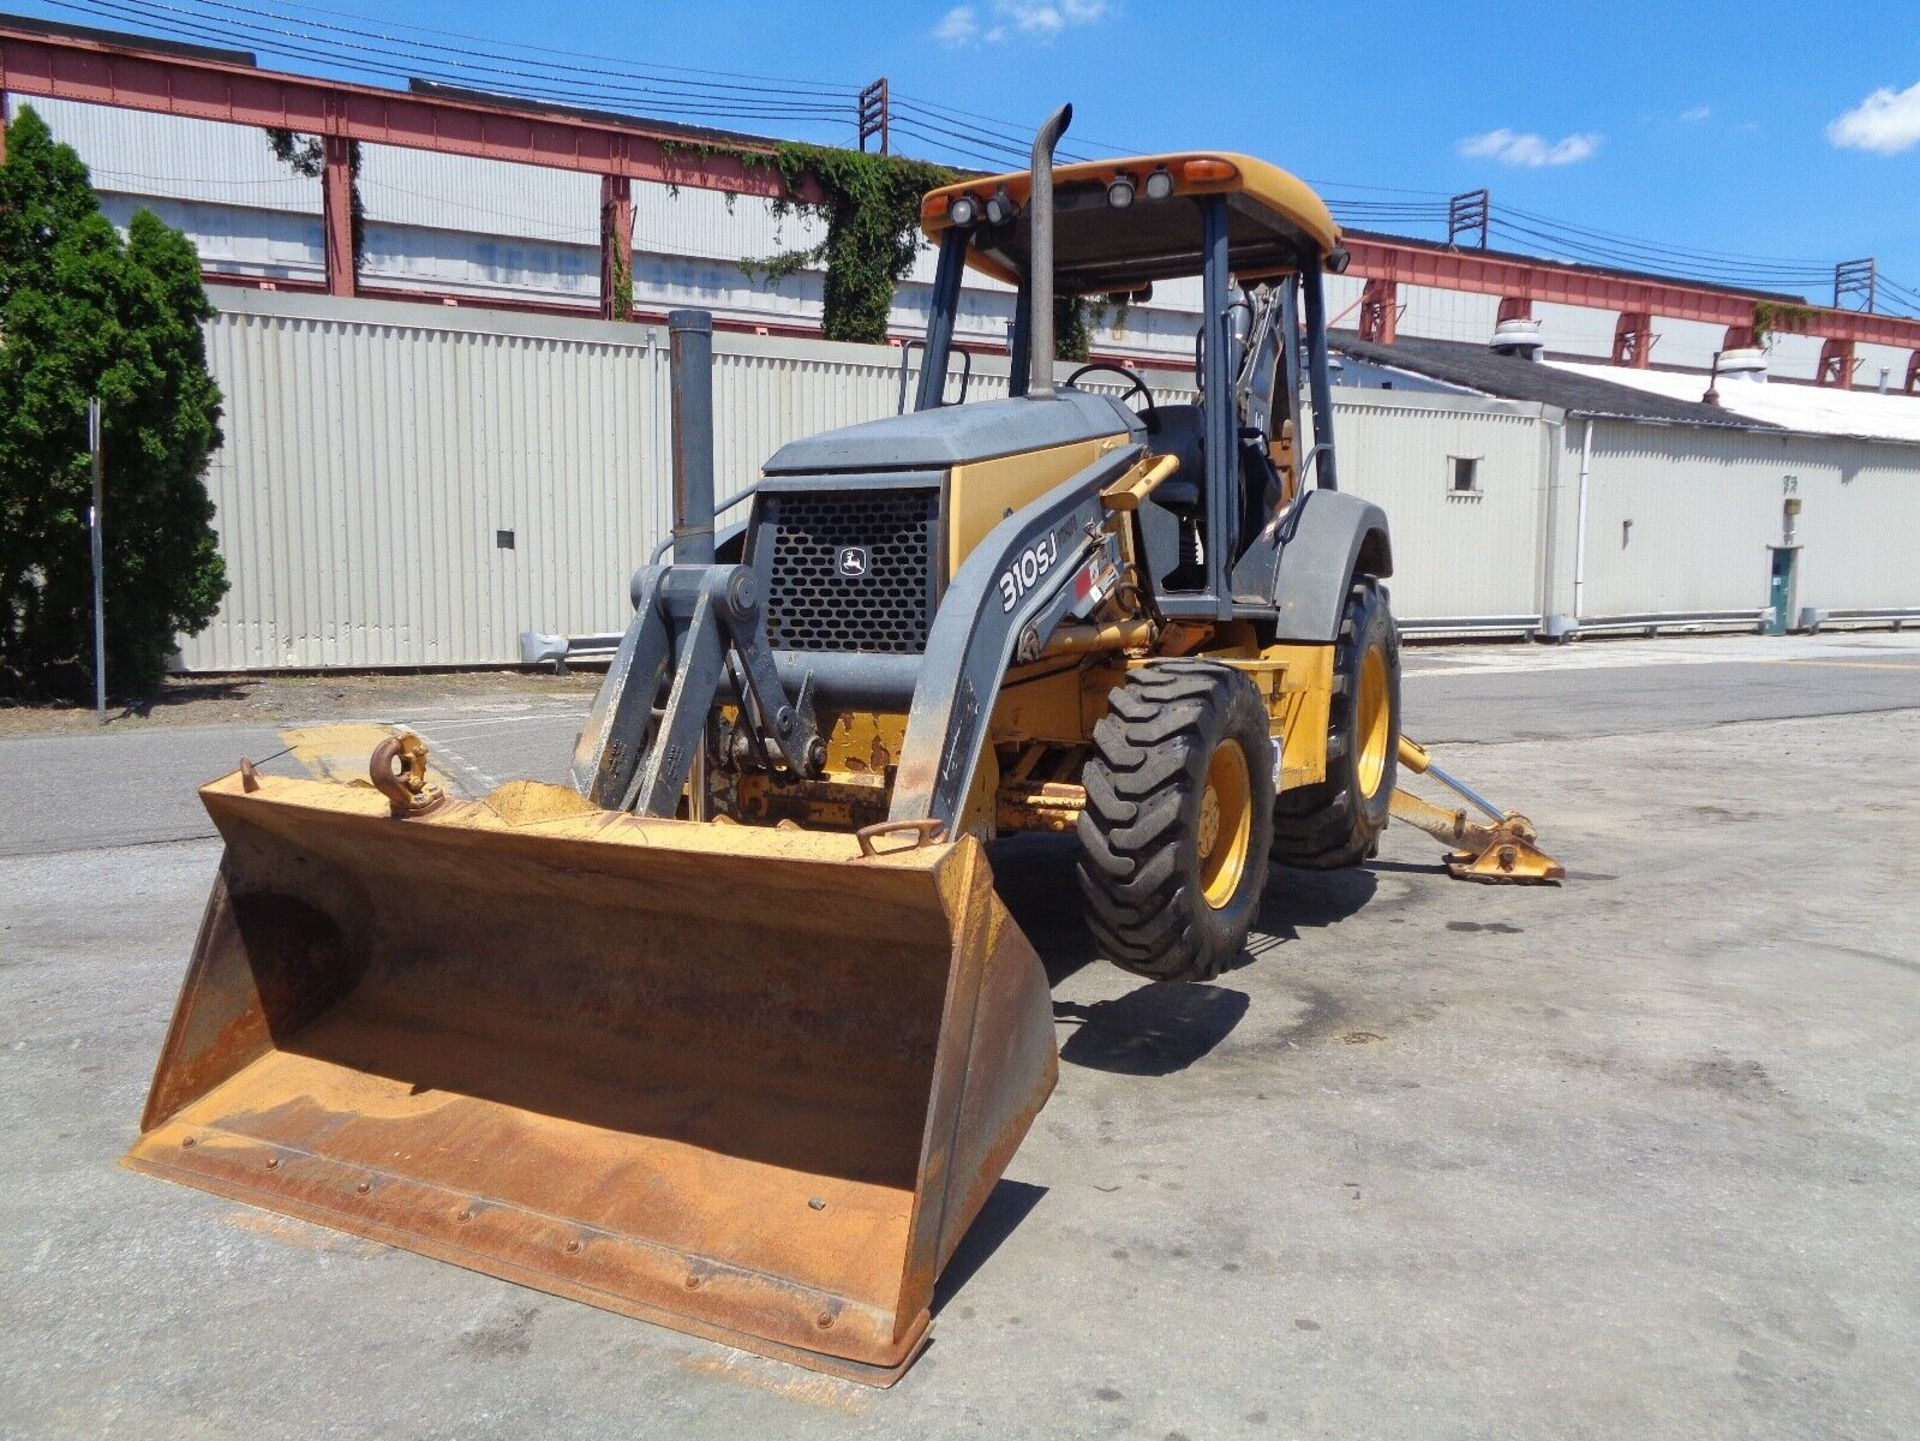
[1634, 1157]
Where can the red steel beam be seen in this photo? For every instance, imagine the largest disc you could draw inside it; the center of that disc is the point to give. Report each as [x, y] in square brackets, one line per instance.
[100, 73]
[616, 243]
[96, 73]
[1544, 282]
[336, 206]
[1633, 339]
[1380, 312]
[1837, 363]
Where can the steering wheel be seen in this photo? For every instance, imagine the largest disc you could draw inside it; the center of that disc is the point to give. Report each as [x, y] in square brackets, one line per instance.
[1148, 411]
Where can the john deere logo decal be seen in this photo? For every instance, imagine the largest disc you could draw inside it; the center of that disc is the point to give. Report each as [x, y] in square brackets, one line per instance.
[851, 561]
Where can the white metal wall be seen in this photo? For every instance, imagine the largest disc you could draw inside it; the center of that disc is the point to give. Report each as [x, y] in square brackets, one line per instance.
[375, 451]
[492, 228]
[1456, 555]
[369, 464]
[1679, 518]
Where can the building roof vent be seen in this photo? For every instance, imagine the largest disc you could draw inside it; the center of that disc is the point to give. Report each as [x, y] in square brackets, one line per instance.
[1520, 338]
[1745, 364]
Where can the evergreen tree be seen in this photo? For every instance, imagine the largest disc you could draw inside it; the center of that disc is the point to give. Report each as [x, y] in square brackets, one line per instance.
[84, 313]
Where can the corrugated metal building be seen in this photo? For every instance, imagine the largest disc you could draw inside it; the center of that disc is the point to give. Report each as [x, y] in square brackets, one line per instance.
[407, 486]
[480, 229]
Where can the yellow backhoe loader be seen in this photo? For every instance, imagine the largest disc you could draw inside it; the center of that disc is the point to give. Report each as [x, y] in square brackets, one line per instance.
[732, 1033]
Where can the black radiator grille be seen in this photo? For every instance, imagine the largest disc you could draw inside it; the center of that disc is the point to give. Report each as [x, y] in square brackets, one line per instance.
[813, 605]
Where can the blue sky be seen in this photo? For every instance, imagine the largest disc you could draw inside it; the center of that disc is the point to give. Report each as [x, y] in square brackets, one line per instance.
[1756, 129]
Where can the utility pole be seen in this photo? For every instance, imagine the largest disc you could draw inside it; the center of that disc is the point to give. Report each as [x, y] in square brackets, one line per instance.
[1856, 279]
[1466, 214]
[874, 114]
[95, 520]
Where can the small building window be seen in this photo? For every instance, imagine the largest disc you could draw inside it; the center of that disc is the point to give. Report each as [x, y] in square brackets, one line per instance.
[1464, 474]
[503, 540]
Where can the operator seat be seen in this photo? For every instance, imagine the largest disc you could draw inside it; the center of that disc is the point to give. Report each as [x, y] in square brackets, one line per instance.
[1176, 430]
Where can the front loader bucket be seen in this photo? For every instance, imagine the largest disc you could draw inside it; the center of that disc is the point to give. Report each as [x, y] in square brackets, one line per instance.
[742, 1082]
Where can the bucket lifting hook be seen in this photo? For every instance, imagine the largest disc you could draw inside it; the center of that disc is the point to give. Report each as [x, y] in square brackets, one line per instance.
[398, 771]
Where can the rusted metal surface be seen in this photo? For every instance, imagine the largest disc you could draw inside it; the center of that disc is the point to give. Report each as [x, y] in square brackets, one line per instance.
[745, 1083]
[398, 771]
[1027, 805]
[207, 87]
[922, 831]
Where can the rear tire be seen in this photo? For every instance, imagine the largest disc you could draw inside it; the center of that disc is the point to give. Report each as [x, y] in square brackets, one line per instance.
[1178, 820]
[1337, 822]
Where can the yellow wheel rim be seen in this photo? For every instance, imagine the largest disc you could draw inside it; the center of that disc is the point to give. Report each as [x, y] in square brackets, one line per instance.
[1226, 823]
[1373, 721]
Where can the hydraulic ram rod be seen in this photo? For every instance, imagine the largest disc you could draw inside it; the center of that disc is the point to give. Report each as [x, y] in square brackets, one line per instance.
[1417, 759]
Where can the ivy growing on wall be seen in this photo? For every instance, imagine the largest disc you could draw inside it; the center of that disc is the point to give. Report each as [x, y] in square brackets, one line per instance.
[1073, 323]
[1771, 315]
[622, 286]
[1075, 318]
[870, 205]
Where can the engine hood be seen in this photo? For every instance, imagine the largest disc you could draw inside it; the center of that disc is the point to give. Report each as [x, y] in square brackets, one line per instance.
[957, 434]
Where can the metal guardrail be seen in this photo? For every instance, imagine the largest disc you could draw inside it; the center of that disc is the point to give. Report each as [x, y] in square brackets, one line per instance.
[558, 650]
[1890, 618]
[1493, 625]
[1653, 622]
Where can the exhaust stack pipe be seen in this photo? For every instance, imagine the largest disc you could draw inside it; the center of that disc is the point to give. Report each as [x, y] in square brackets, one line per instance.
[690, 347]
[1040, 281]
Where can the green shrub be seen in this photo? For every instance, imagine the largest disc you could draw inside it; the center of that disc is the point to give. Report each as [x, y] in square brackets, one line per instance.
[83, 313]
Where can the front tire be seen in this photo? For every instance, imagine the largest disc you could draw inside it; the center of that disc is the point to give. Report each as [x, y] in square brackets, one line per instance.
[1337, 822]
[1178, 820]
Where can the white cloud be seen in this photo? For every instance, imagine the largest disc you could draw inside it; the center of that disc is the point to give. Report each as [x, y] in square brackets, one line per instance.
[1885, 122]
[957, 27]
[1699, 112]
[962, 25]
[1511, 147]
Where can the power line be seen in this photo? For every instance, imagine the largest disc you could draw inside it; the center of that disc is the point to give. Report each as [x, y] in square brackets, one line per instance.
[1758, 263]
[1572, 248]
[1026, 143]
[496, 45]
[1013, 145]
[1378, 189]
[994, 163]
[509, 69]
[705, 87]
[331, 49]
[918, 126]
[380, 62]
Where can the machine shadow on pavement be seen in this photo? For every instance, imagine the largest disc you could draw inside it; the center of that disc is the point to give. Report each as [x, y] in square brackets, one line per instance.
[1160, 1027]
[1297, 900]
[1007, 1208]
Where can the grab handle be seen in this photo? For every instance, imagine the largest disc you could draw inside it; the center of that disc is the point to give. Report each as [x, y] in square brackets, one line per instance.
[927, 831]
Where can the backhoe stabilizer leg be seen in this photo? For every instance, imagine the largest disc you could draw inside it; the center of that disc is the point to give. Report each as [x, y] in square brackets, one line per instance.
[1501, 849]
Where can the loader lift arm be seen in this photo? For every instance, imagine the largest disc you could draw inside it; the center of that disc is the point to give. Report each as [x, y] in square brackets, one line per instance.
[1500, 849]
[689, 623]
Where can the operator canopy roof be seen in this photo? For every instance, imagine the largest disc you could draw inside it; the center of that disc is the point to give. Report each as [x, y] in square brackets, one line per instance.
[1274, 219]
